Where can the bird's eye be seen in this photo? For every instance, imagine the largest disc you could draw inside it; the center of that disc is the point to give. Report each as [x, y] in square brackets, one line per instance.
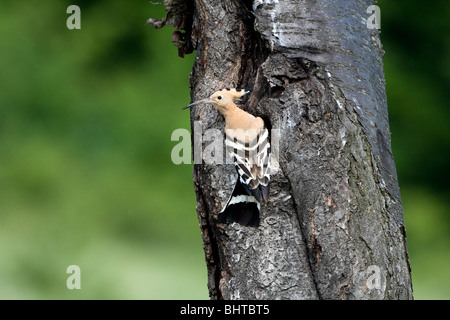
[219, 98]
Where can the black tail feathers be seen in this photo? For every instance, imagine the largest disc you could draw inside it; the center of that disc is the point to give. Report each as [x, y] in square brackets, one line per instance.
[244, 213]
[242, 207]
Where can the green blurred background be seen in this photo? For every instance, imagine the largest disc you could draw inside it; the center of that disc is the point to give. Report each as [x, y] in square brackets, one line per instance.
[86, 177]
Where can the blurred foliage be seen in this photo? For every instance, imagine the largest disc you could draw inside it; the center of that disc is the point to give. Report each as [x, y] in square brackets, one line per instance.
[86, 176]
[417, 70]
[85, 172]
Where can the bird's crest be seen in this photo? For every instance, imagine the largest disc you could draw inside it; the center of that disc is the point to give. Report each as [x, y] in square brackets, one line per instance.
[234, 93]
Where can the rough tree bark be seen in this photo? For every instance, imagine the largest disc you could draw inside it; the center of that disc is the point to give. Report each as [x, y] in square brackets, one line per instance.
[333, 228]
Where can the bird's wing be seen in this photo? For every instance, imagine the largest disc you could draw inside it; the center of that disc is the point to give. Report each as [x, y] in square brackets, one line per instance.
[252, 160]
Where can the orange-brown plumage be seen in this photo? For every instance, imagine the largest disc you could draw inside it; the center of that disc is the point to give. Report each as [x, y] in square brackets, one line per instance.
[248, 144]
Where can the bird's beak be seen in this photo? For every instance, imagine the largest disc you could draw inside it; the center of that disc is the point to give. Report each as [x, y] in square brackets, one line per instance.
[198, 102]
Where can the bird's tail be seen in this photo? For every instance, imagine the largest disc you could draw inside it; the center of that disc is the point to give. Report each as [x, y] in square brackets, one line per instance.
[241, 208]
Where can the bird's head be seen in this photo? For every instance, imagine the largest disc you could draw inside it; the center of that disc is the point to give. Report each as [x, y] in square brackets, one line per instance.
[222, 99]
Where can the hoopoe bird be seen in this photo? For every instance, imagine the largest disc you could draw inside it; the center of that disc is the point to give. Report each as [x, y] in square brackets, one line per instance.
[247, 143]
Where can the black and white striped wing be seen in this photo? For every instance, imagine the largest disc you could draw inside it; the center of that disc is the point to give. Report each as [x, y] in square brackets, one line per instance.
[252, 161]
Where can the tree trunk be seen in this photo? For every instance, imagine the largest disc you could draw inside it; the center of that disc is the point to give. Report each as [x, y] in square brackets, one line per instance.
[333, 227]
